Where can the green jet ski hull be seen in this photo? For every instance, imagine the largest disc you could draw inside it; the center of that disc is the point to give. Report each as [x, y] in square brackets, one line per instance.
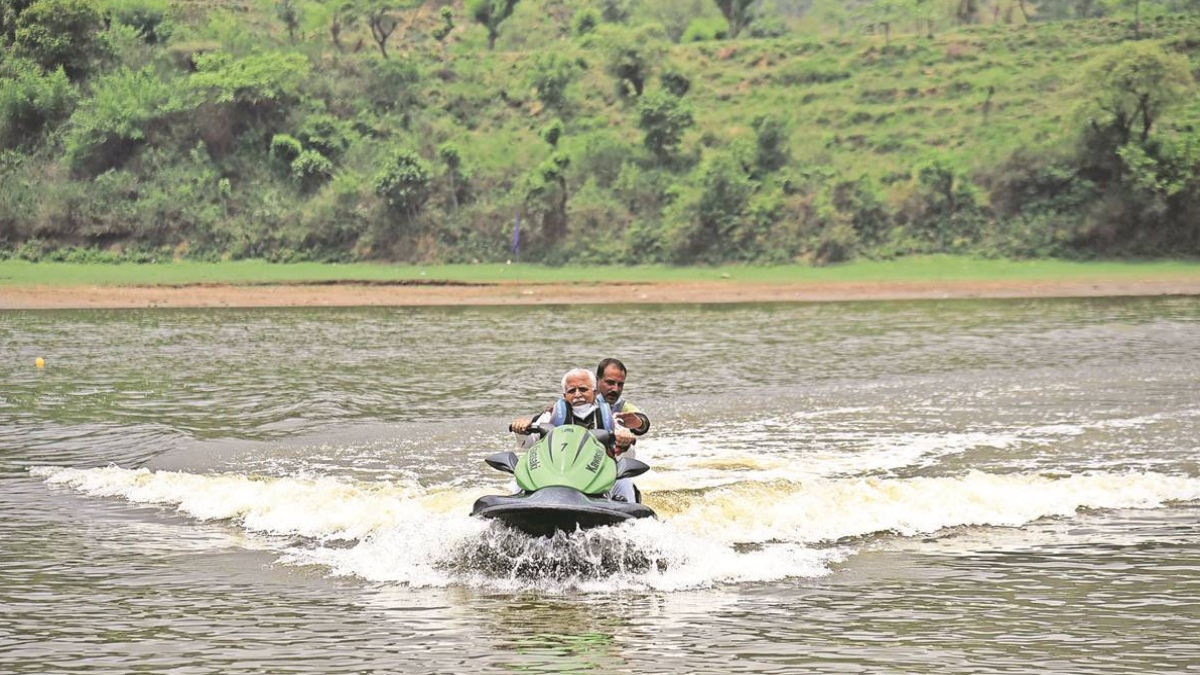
[557, 509]
[562, 480]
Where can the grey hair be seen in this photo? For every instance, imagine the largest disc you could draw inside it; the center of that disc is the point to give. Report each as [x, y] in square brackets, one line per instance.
[576, 372]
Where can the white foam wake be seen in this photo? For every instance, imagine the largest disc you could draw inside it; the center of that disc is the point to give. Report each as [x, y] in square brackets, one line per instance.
[751, 531]
[823, 509]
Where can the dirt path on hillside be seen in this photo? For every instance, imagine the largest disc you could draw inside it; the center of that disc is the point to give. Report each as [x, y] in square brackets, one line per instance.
[509, 293]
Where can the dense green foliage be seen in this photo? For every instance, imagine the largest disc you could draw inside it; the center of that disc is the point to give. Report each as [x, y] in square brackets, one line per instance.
[629, 131]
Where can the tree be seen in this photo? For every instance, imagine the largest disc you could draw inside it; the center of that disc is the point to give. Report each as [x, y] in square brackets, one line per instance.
[616, 11]
[341, 17]
[1130, 87]
[1024, 10]
[770, 143]
[887, 12]
[442, 32]
[832, 13]
[310, 170]
[456, 174]
[674, 15]
[737, 13]
[550, 76]
[404, 183]
[9, 11]
[490, 14]
[630, 57]
[706, 225]
[553, 133]
[548, 186]
[381, 17]
[927, 11]
[664, 117]
[253, 93]
[59, 34]
[725, 193]
[584, 22]
[676, 82]
[150, 19]
[266, 79]
[31, 101]
[126, 110]
[967, 11]
[290, 16]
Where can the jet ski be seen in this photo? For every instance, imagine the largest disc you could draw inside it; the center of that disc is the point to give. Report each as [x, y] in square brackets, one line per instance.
[564, 480]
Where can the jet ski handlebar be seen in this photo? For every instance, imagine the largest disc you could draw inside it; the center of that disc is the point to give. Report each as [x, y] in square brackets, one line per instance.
[540, 430]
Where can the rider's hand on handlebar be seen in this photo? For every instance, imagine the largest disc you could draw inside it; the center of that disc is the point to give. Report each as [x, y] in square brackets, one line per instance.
[520, 425]
[624, 438]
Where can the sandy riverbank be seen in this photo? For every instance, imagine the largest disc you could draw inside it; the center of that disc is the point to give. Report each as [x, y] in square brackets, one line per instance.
[407, 294]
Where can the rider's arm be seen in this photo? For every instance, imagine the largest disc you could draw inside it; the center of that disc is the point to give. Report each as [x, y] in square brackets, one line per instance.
[522, 425]
[622, 438]
[644, 422]
[645, 426]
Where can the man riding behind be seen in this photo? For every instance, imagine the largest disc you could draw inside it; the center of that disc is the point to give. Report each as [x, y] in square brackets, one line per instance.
[610, 382]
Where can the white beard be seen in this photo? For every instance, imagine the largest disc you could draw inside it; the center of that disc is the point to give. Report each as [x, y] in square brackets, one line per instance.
[584, 410]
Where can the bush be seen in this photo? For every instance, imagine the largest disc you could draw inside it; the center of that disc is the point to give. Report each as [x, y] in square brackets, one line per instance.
[260, 85]
[457, 176]
[285, 149]
[706, 29]
[664, 118]
[706, 226]
[20, 196]
[326, 134]
[676, 82]
[631, 57]
[31, 102]
[939, 211]
[550, 75]
[148, 17]
[616, 11]
[811, 71]
[592, 211]
[59, 34]
[33, 250]
[334, 220]
[311, 170]
[644, 192]
[585, 21]
[835, 243]
[404, 183]
[126, 109]
[768, 27]
[770, 143]
[393, 84]
[603, 156]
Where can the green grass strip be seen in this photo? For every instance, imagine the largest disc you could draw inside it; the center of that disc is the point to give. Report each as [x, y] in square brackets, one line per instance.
[916, 269]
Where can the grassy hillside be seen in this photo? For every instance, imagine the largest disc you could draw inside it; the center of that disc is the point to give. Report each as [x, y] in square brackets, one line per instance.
[220, 133]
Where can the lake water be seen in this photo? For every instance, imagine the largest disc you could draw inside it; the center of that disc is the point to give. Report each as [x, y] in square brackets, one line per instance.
[952, 487]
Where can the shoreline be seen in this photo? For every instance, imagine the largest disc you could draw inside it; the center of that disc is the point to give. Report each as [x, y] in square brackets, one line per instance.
[359, 294]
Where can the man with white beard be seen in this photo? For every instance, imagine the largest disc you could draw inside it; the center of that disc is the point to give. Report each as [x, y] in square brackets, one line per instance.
[580, 407]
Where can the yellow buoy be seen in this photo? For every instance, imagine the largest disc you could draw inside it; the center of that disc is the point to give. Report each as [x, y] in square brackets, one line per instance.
[39, 362]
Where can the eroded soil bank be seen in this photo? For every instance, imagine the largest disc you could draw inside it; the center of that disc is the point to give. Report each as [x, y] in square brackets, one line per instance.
[508, 293]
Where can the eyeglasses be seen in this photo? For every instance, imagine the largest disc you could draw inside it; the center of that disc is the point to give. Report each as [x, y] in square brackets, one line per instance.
[577, 390]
